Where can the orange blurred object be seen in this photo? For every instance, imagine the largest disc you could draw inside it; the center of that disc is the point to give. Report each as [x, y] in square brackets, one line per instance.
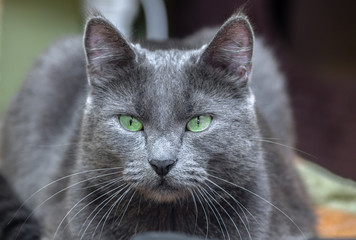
[335, 223]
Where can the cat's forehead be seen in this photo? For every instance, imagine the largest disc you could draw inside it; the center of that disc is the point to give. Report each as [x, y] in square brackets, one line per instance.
[176, 57]
[165, 72]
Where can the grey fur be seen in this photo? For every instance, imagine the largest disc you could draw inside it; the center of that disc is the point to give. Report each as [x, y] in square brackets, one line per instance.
[63, 124]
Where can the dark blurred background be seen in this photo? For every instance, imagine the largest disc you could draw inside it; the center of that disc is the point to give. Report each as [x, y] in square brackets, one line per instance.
[315, 42]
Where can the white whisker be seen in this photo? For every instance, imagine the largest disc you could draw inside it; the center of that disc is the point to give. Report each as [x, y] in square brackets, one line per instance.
[206, 217]
[212, 207]
[111, 182]
[88, 204]
[127, 207]
[283, 145]
[240, 205]
[265, 200]
[56, 181]
[117, 207]
[105, 202]
[53, 195]
[243, 222]
[196, 210]
[117, 202]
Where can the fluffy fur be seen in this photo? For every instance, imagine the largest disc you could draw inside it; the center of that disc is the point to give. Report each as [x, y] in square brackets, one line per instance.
[229, 181]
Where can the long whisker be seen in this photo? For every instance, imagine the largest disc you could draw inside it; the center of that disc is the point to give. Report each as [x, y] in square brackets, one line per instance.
[241, 206]
[283, 145]
[196, 210]
[229, 216]
[96, 184]
[56, 181]
[64, 189]
[243, 222]
[138, 212]
[212, 207]
[117, 206]
[122, 217]
[106, 216]
[96, 199]
[206, 217]
[107, 185]
[117, 202]
[105, 202]
[265, 200]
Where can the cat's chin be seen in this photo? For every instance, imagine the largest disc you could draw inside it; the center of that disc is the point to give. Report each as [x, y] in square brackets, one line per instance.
[165, 196]
[164, 193]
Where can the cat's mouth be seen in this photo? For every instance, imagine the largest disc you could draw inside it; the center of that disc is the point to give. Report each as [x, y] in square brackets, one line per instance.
[163, 183]
[163, 191]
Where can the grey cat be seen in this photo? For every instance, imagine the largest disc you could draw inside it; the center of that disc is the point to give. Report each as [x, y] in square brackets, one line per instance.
[181, 136]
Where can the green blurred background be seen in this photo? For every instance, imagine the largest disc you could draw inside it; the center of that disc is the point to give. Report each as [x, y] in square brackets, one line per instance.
[27, 28]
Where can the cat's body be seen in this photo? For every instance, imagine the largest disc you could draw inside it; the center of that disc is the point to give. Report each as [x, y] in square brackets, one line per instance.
[224, 179]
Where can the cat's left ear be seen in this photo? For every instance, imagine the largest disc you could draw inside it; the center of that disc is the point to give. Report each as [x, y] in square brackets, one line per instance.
[105, 46]
[231, 49]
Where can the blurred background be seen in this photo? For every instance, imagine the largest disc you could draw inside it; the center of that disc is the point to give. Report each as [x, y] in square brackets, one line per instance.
[315, 42]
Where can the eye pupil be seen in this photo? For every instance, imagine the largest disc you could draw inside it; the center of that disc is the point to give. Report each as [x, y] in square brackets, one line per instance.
[198, 120]
[131, 120]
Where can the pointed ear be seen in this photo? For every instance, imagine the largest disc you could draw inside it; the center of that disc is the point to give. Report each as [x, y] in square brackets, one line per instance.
[105, 46]
[231, 48]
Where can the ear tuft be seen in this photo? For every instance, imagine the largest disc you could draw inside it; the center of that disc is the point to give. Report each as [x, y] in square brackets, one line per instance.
[105, 46]
[231, 49]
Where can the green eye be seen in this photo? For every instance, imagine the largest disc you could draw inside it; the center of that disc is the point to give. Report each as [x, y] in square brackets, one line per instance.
[130, 123]
[199, 123]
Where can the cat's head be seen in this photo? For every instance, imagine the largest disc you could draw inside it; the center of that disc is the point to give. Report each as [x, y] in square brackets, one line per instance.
[169, 119]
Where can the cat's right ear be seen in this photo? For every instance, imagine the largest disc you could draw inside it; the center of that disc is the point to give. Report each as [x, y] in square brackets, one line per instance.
[105, 47]
[231, 48]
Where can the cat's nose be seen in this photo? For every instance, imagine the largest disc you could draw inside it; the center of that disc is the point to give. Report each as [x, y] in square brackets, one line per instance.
[162, 167]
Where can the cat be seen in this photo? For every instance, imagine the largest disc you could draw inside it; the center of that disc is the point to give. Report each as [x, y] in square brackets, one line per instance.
[123, 138]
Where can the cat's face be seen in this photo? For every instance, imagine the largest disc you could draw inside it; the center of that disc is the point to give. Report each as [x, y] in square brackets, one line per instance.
[170, 119]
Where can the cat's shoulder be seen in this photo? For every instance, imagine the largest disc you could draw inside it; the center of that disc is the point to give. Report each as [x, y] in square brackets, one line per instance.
[61, 65]
[63, 48]
[65, 56]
